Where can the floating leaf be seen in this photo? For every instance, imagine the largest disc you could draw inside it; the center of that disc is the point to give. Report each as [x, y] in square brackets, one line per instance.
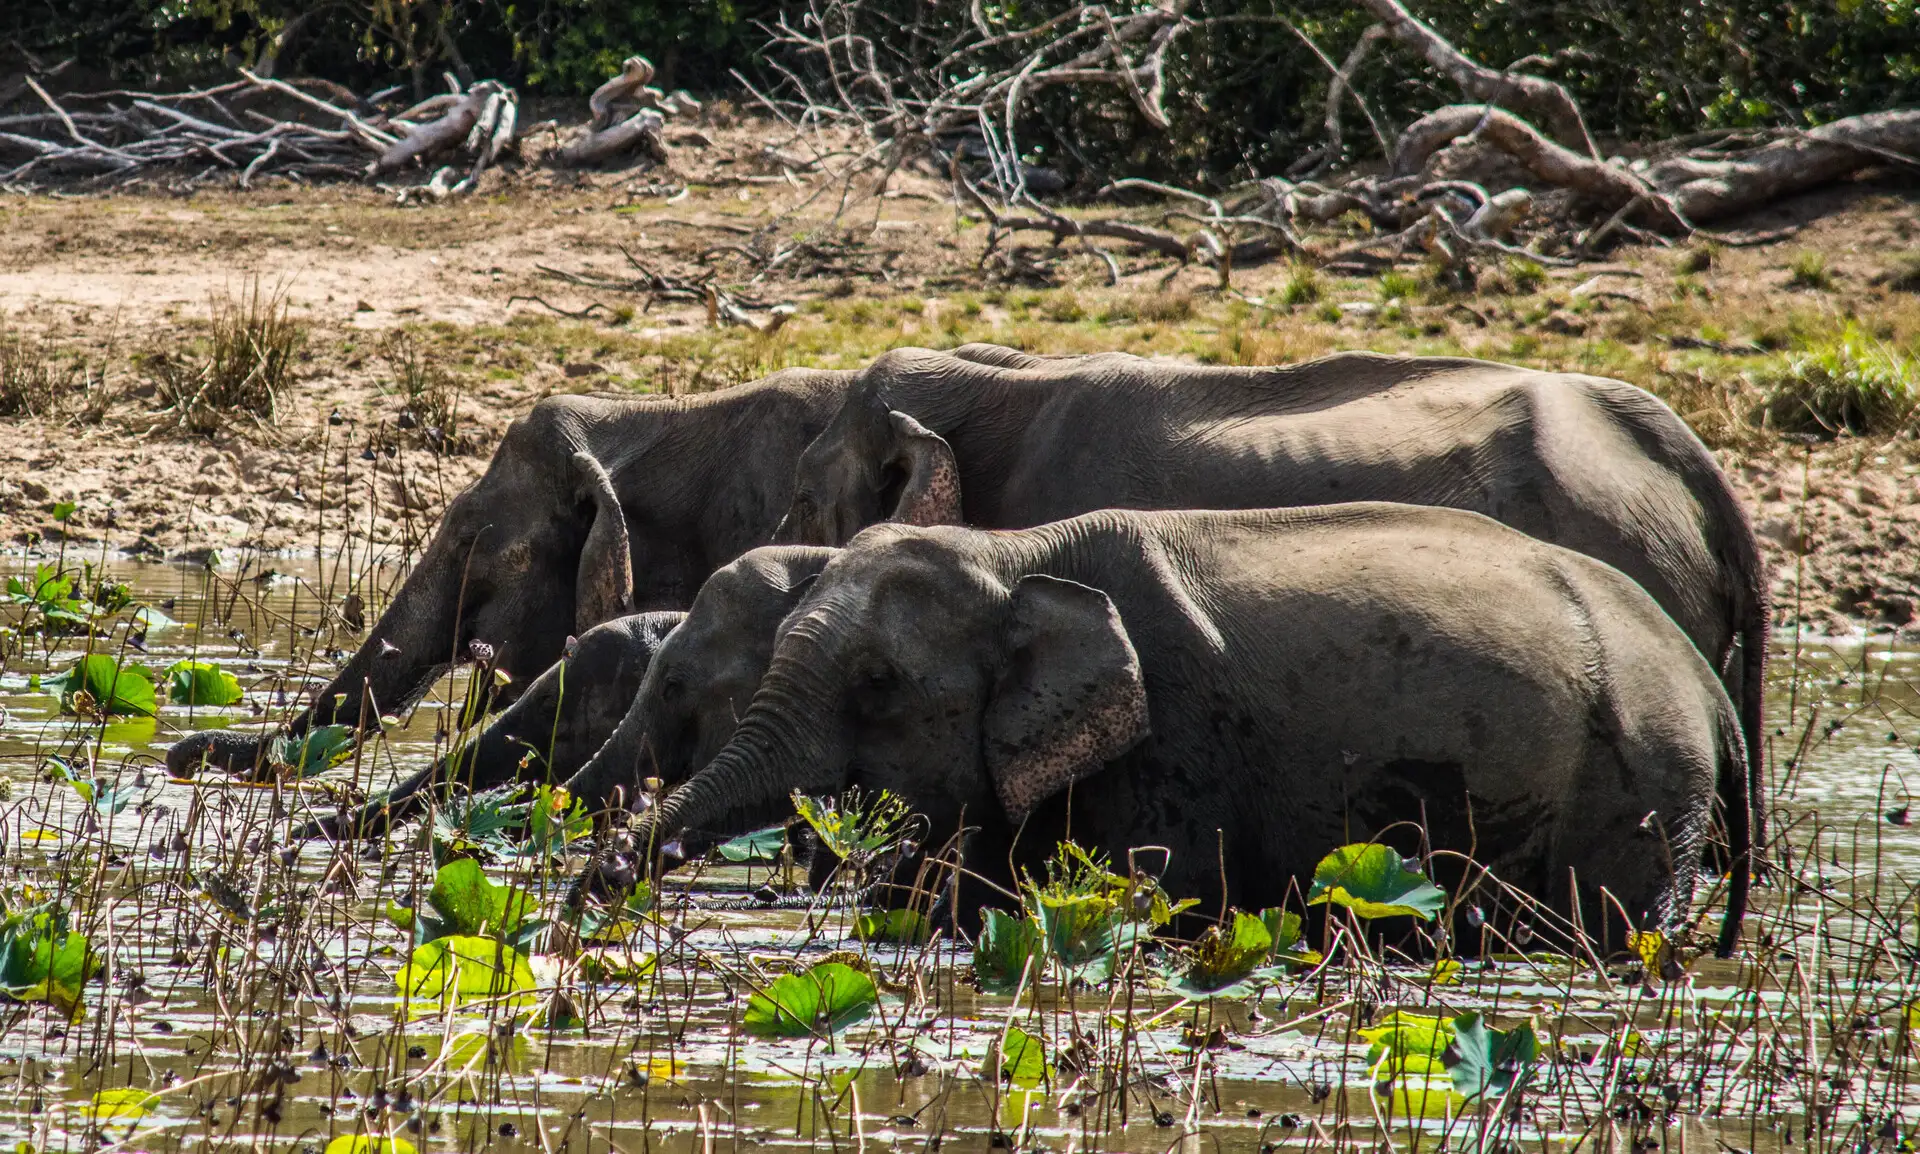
[457, 970]
[105, 799]
[1405, 1043]
[152, 620]
[897, 927]
[825, 1000]
[1445, 972]
[760, 845]
[365, 1144]
[1086, 935]
[1004, 951]
[201, 683]
[1485, 1062]
[1422, 1097]
[123, 1105]
[109, 688]
[315, 751]
[469, 904]
[1374, 881]
[1023, 1059]
[1286, 930]
[1225, 957]
[42, 961]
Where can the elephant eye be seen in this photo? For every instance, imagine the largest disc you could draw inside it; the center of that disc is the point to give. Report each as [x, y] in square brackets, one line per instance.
[672, 687]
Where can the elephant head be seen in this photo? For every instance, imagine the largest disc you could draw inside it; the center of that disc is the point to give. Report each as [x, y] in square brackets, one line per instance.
[533, 552]
[871, 464]
[703, 677]
[912, 666]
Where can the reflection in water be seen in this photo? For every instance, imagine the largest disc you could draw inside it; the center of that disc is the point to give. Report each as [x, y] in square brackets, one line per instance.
[254, 991]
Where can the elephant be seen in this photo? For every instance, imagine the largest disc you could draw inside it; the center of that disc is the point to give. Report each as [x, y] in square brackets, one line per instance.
[1591, 464]
[592, 508]
[560, 720]
[652, 695]
[1251, 689]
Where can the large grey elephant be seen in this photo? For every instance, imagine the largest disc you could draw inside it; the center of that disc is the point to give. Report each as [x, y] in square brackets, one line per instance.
[1251, 689]
[591, 509]
[1008, 440]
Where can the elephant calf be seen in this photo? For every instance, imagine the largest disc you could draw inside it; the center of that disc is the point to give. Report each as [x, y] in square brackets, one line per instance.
[1252, 689]
[562, 718]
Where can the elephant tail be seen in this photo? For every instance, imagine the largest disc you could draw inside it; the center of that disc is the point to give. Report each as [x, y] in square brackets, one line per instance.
[1737, 814]
[1754, 633]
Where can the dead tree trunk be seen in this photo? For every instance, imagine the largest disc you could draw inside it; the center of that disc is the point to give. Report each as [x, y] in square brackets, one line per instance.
[1553, 104]
[1704, 190]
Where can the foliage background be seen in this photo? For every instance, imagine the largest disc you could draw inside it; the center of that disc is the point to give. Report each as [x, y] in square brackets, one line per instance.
[1247, 98]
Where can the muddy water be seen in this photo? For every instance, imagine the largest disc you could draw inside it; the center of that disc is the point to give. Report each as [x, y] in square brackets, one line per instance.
[181, 890]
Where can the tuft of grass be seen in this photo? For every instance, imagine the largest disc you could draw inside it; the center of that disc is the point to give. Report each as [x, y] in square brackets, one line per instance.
[31, 383]
[246, 364]
[1697, 258]
[1853, 383]
[1809, 271]
[1302, 287]
[432, 394]
[1153, 308]
[1063, 308]
[1396, 285]
[1526, 275]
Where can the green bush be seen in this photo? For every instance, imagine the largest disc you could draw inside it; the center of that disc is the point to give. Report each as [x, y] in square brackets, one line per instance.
[1854, 382]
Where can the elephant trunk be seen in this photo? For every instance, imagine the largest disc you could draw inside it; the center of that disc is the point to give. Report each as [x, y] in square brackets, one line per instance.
[409, 647]
[620, 762]
[781, 746]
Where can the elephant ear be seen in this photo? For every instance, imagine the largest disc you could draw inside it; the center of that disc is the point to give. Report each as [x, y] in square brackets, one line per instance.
[604, 588]
[1070, 698]
[930, 493]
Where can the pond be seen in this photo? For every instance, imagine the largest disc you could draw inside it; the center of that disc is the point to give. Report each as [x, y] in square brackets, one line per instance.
[253, 996]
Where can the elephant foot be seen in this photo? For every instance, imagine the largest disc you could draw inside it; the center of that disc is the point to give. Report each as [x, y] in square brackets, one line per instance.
[219, 749]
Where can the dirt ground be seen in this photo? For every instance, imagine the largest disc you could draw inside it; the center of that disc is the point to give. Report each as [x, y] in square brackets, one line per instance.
[95, 288]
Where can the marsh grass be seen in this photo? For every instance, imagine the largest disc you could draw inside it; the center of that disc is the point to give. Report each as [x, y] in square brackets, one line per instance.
[32, 381]
[243, 365]
[1809, 270]
[1852, 382]
[432, 393]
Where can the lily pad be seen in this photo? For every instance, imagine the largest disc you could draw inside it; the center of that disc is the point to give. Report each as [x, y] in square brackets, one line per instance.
[1023, 1059]
[1488, 1063]
[896, 927]
[99, 685]
[201, 683]
[1225, 957]
[315, 751]
[42, 961]
[460, 969]
[1374, 881]
[1086, 935]
[760, 845]
[823, 1001]
[123, 1105]
[1405, 1043]
[369, 1144]
[1004, 951]
[469, 904]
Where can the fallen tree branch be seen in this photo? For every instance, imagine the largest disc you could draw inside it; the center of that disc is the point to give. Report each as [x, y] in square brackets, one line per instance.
[1706, 190]
[1551, 102]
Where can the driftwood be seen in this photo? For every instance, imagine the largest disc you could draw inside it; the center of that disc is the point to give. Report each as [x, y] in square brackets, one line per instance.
[452, 128]
[637, 133]
[1712, 189]
[634, 74]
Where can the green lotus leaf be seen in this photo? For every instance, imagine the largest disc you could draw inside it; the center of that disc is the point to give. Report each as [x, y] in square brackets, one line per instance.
[1374, 881]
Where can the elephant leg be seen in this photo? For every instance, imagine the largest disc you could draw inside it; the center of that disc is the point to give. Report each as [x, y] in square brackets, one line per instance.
[545, 735]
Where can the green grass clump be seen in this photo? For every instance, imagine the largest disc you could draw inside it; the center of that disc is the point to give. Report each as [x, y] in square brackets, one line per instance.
[1302, 287]
[1525, 275]
[1809, 271]
[1398, 285]
[1854, 383]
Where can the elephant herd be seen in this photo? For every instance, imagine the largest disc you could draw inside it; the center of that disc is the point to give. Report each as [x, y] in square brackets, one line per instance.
[1247, 614]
